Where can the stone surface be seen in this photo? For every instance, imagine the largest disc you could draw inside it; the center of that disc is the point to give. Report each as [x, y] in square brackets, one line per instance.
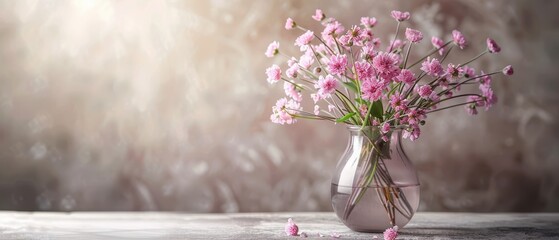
[154, 225]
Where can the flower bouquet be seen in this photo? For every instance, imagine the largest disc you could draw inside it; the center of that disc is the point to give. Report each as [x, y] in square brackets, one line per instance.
[383, 95]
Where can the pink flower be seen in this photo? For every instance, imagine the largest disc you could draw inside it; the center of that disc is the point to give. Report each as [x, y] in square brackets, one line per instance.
[424, 91]
[363, 109]
[366, 35]
[448, 94]
[492, 46]
[443, 82]
[320, 48]
[398, 102]
[471, 109]
[391, 233]
[413, 117]
[413, 35]
[332, 29]
[346, 40]
[386, 64]
[396, 44]
[282, 112]
[291, 228]
[272, 49]
[468, 71]
[292, 71]
[368, 22]
[306, 61]
[438, 43]
[355, 33]
[292, 61]
[459, 39]
[318, 15]
[371, 90]
[476, 102]
[304, 40]
[274, 74]
[292, 92]
[364, 70]
[490, 98]
[368, 52]
[485, 80]
[376, 42]
[434, 97]
[400, 16]
[385, 127]
[405, 76]
[413, 134]
[508, 70]
[326, 86]
[290, 24]
[337, 64]
[453, 71]
[432, 67]
[384, 138]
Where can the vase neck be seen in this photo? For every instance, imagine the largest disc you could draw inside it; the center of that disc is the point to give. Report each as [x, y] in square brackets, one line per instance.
[374, 132]
[386, 143]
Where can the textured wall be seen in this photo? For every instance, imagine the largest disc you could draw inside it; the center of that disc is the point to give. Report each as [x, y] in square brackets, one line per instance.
[127, 105]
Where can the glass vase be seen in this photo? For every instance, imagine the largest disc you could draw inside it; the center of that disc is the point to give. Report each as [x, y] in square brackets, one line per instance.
[375, 186]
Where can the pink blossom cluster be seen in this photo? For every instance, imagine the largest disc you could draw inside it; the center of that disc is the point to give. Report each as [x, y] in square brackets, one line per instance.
[291, 229]
[391, 233]
[356, 77]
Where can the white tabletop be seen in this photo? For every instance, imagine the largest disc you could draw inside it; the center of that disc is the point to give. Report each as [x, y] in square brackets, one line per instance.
[159, 225]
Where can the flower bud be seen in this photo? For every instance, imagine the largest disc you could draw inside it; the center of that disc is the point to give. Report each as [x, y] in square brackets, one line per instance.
[291, 228]
[290, 24]
[508, 70]
[492, 46]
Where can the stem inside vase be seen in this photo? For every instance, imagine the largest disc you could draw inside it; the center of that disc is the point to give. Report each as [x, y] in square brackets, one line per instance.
[383, 181]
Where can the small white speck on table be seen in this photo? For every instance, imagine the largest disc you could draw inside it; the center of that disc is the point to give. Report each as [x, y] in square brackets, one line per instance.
[160, 225]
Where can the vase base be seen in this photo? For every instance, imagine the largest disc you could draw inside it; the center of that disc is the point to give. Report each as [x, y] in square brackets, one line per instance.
[369, 215]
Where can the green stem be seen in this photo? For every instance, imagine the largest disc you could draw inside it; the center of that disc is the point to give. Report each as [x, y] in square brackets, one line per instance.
[302, 87]
[395, 36]
[421, 75]
[357, 81]
[367, 116]
[431, 53]
[465, 81]
[475, 58]
[322, 41]
[350, 103]
[453, 97]
[455, 105]
[407, 55]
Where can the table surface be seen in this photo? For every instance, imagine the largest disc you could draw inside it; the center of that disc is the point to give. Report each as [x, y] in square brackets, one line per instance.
[158, 225]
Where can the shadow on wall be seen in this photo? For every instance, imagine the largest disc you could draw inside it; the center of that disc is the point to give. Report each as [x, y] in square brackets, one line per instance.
[120, 105]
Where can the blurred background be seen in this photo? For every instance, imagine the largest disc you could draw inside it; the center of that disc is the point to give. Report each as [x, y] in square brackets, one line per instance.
[164, 105]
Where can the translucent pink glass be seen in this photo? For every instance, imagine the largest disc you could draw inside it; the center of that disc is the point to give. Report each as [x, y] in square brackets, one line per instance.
[375, 186]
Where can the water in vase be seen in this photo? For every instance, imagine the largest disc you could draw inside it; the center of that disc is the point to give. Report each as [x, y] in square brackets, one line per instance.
[369, 215]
